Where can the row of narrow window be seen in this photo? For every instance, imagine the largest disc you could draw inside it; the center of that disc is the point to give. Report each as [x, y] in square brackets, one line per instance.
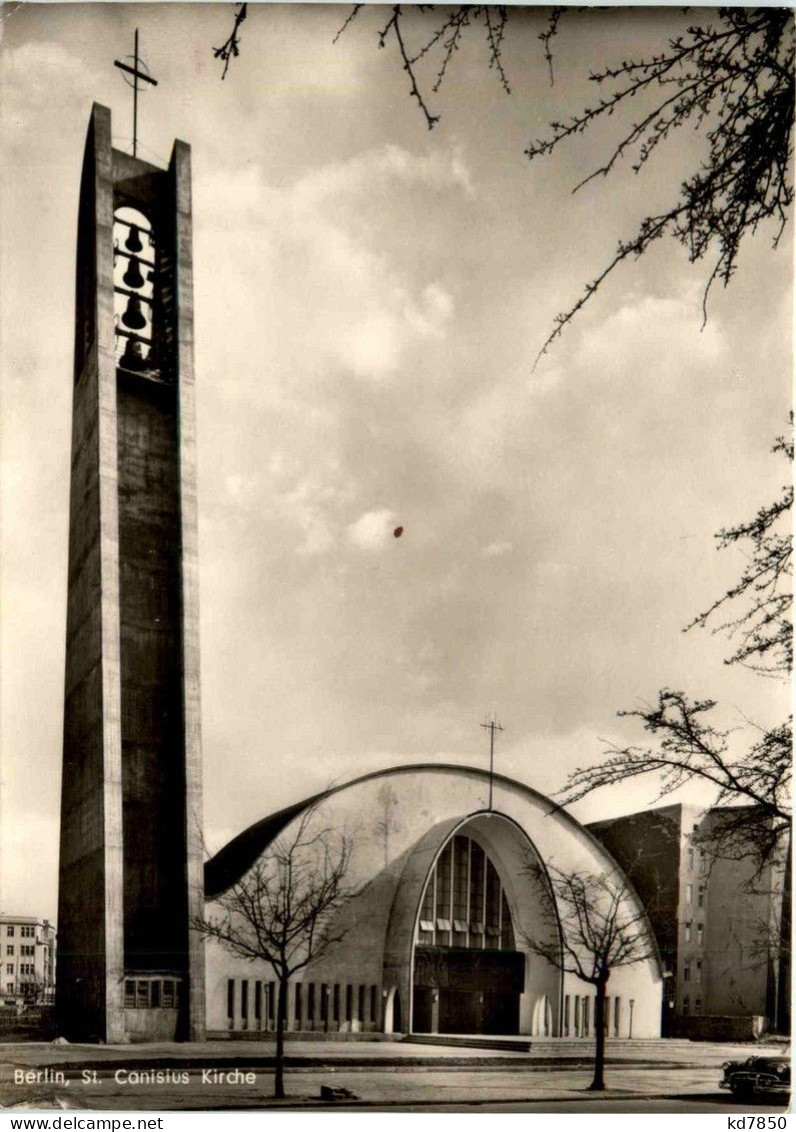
[579, 1012]
[257, 1002]
[151, 993]
[27, 931]
[464, 904]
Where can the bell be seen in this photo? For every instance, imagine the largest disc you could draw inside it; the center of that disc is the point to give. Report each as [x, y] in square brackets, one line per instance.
[134, 316]
[133, 241]
[132, 357]
[132, 277]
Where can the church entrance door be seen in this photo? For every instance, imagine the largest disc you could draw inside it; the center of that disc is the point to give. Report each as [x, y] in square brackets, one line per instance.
[464, 991]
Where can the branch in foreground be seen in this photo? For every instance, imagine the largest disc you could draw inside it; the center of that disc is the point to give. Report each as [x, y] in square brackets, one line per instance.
[691, 749]
[230, 49]
[764, 625]
[737, 77]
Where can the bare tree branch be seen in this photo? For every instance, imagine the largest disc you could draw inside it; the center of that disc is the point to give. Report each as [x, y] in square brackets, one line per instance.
[285, 909]
[730, 76]
[591, 925]
[230, 49]
[763, 595]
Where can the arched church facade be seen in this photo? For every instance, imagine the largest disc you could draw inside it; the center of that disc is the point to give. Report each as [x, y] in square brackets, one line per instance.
[448, 892]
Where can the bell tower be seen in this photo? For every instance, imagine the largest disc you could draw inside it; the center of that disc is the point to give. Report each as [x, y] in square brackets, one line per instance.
[129, 967]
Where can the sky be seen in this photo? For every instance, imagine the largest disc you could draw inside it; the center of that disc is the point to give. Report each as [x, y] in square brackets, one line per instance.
[370, 297]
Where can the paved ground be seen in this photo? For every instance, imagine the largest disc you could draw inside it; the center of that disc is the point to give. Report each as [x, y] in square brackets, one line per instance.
[663, 1076]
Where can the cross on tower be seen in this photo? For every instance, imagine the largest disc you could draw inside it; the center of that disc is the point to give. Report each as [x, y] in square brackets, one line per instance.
[134, 71]
[491, 726]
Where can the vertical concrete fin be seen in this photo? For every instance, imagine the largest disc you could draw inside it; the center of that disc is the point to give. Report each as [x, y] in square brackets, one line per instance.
[89, 953]
[180, 175]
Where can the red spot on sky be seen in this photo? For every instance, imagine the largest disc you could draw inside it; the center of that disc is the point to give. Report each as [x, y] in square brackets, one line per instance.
[398, 532]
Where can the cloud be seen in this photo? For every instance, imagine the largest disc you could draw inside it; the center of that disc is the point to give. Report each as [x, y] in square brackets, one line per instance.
[328, 269]
[373, 530]
[440, 170]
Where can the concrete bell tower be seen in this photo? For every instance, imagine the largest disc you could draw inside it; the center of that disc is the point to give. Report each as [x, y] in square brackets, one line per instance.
[129, 967]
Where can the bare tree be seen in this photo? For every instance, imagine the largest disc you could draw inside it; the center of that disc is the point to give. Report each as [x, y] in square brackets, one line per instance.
[758, 607]
[730, 75]
[690, 748]
[592, 925]
[754, 787]
[284, 910]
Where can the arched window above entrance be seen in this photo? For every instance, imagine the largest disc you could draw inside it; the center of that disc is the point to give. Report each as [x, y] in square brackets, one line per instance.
[464, 904]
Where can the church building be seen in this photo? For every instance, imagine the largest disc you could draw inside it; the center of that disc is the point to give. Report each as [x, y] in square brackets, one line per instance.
[448, 890]
[447, 863]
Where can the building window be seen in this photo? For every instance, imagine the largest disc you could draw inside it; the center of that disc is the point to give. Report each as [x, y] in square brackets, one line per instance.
[361, 1009]
[461, 885]
[336, 1003]
[10, 949]
[244, 1000]
[10, 930]
[689, 894]
[506, 928]
[258, 1002]
[464, 904]
[686, 1005]
[616, 1017]
[230, 998]
[9, 968]
[373, 1015]
[426, 926]
[444, 894]
[585, 1016]
[10, 988]
[492, 918]
[701, 896]
[297, 1004]
[698, 972]
[349, 997]
[688, 931]
[577, 1016]
[700, 932]
[566, 1015]
[686, 972]
[691, 859]
[477, 866]
[698, 1006]
[154, 993]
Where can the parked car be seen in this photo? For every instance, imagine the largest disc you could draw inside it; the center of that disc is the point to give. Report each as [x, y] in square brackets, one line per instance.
[765, 1077]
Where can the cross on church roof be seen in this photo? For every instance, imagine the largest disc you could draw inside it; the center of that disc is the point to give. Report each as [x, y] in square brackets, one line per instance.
[492, 725]
[134, 71]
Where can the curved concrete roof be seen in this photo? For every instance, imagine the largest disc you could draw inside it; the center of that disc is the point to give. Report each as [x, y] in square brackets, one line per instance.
[238, 855]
